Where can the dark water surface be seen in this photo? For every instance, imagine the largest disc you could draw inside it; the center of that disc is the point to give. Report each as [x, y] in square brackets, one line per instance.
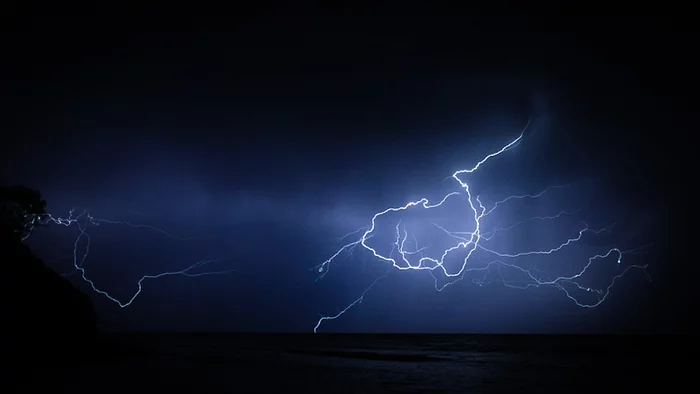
[333, 363]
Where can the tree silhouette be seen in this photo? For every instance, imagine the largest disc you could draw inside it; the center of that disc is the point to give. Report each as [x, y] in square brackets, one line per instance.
[23, 209]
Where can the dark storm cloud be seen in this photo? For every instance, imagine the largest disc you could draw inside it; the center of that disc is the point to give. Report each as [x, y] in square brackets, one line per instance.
[276, 141]
[278, 218]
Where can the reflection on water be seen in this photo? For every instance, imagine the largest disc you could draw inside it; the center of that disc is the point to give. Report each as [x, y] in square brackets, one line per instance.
[365, 363]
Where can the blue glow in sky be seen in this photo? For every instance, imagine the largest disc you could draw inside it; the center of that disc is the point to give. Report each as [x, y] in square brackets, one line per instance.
[216, 177]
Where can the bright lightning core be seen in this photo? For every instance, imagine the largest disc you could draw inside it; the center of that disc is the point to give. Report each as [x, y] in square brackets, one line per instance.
[469, 251]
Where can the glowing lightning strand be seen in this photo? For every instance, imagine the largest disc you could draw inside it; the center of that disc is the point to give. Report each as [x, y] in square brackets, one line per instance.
[470, 241]
[79, 260]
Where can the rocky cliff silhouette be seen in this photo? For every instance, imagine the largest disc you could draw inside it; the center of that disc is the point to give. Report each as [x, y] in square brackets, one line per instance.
[43, 315]
[41, 300]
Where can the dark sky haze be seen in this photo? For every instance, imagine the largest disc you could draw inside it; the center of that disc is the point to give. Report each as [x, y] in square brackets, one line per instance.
[268, 137]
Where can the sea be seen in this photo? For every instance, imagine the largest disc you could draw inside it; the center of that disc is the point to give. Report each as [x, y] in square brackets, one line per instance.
[362, 363]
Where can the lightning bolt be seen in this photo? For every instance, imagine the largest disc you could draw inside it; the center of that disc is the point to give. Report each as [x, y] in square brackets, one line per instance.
[84, 220]
[477, 240]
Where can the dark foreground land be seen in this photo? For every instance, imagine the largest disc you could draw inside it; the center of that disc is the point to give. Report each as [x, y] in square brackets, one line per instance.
[332, 363]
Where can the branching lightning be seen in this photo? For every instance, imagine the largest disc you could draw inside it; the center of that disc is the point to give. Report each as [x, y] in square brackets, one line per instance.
[84, 220]
[478, 239]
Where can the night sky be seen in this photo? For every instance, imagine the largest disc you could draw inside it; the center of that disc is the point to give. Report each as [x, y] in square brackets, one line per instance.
[268, 137]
